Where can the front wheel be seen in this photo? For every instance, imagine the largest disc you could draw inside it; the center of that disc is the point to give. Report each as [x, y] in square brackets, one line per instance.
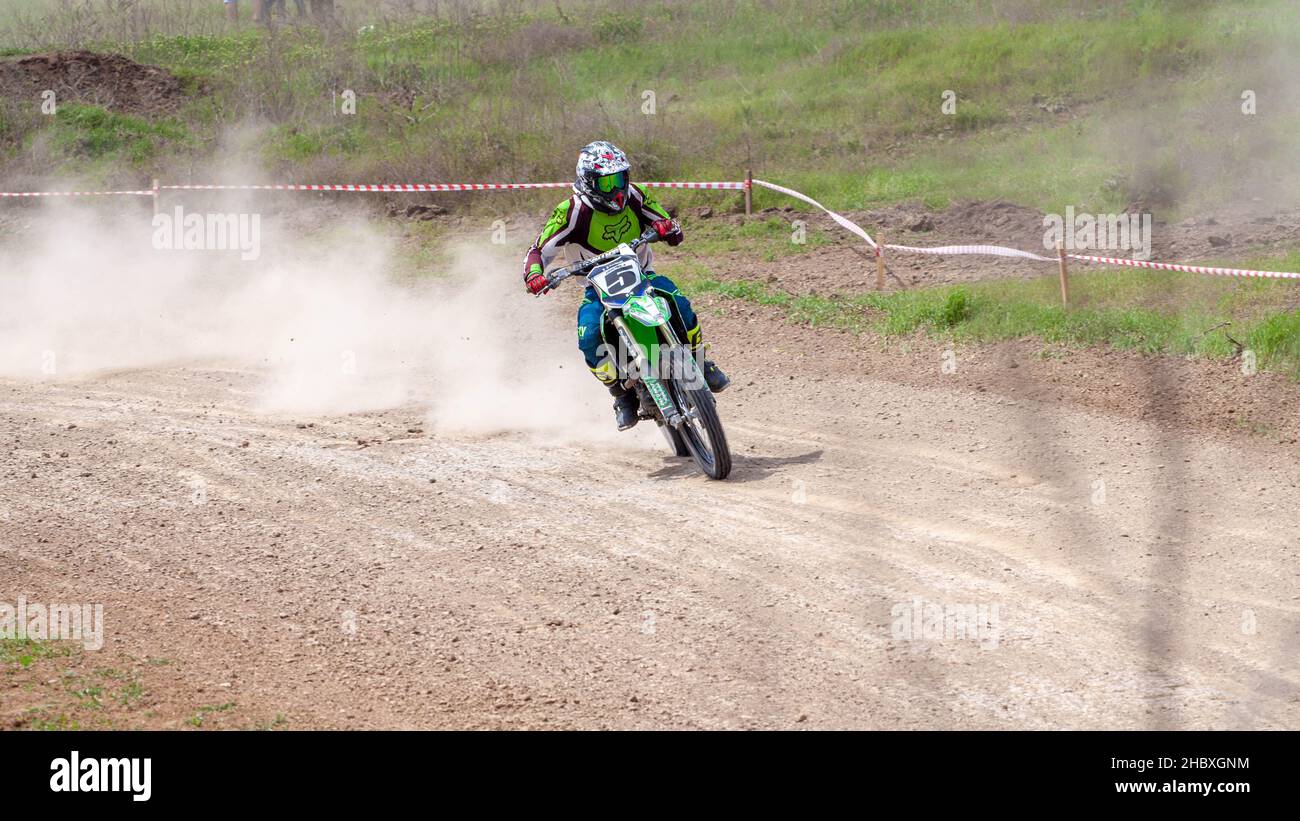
[702, 430]
[675, 440]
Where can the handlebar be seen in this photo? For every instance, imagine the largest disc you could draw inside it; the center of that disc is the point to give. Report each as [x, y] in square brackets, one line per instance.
[583, 266]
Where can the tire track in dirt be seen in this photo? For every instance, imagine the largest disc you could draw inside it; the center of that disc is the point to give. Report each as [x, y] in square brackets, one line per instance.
[492, 581]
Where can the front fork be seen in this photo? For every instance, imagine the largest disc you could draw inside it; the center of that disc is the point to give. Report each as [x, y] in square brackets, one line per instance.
[645, 358]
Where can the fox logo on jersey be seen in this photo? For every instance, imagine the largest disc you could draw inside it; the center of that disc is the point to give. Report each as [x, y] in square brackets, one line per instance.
[618, 229]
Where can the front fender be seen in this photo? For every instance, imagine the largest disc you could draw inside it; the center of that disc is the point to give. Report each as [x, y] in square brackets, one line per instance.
[649, 345]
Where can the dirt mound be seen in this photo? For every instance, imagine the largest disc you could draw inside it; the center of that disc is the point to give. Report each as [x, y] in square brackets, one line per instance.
[108, 80]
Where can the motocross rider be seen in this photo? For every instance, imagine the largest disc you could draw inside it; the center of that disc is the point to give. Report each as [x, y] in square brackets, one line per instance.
[606, 209]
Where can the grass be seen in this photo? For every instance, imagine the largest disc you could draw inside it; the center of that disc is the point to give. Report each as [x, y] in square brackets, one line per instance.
[75, 696]
[295, 144]
[275, 723]
[71, 700]
[130, 693]
[199, 717]
[38, 720]
[25, 651]
[89, 695]
[90, 136]
[1097, 104]
[1179, 314]
[766, 239]
[840, 98]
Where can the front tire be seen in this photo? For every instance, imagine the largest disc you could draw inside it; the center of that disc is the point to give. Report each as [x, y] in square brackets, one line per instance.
[702, 431]
[675, 441]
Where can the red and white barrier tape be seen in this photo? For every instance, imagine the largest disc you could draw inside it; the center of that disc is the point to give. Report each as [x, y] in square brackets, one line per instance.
[1003, 251]
[1015, 253]
[984, 250]
[728, 186]
[76, 193]
[437, 186]
[380, 188]
[377, 188]
[843, 222]
[1190, 269]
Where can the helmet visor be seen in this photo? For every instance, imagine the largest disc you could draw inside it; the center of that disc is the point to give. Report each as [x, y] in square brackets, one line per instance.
[611, 183]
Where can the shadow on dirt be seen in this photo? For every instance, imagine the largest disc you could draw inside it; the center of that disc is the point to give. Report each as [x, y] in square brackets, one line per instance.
[743, 468]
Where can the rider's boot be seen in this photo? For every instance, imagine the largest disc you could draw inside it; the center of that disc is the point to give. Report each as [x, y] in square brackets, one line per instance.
[626, 404]
[713, 375]
[626, 407]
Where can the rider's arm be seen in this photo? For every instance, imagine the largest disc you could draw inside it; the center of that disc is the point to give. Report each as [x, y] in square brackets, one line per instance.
[557, 231]
[650, 212]
[648, 209]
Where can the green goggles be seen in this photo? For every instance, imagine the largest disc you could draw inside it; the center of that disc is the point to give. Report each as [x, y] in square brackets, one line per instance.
[610, 183]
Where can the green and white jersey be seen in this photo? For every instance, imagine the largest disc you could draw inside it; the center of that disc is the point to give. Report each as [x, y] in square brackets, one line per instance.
[585, 232]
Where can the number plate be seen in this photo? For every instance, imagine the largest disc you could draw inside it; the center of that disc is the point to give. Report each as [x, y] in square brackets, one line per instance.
[616, 278]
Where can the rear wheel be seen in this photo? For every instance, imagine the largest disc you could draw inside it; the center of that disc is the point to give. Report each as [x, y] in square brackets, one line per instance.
[702, 430]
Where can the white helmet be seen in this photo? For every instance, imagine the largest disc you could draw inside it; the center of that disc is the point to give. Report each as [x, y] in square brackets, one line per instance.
[602, 178]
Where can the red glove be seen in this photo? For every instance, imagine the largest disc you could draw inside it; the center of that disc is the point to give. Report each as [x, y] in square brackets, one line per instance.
[669, 231]
[535, 280]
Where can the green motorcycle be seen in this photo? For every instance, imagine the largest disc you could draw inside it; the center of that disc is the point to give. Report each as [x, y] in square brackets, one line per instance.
[652, 359]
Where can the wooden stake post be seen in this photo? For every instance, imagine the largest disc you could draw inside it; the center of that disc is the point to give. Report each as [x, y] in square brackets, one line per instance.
[749, 193]
[880, 261]
[1065, 276]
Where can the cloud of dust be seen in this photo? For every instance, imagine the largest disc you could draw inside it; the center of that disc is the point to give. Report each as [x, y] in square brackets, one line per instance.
[317, 317]
[507, 361]
[1214, 141]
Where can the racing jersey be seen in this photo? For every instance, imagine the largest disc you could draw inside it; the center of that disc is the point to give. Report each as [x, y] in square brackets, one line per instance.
[576, 226]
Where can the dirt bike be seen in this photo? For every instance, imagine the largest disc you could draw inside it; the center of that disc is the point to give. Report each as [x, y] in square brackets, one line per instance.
[653, 361]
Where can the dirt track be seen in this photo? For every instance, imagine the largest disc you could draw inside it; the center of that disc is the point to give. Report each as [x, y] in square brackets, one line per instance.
[413, 580]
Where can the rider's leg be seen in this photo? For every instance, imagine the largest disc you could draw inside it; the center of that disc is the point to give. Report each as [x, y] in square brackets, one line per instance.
[713, 375]
[591, 318]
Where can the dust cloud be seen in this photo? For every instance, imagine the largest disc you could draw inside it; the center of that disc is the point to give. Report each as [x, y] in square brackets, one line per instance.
[318, 317]
[1215, 142]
